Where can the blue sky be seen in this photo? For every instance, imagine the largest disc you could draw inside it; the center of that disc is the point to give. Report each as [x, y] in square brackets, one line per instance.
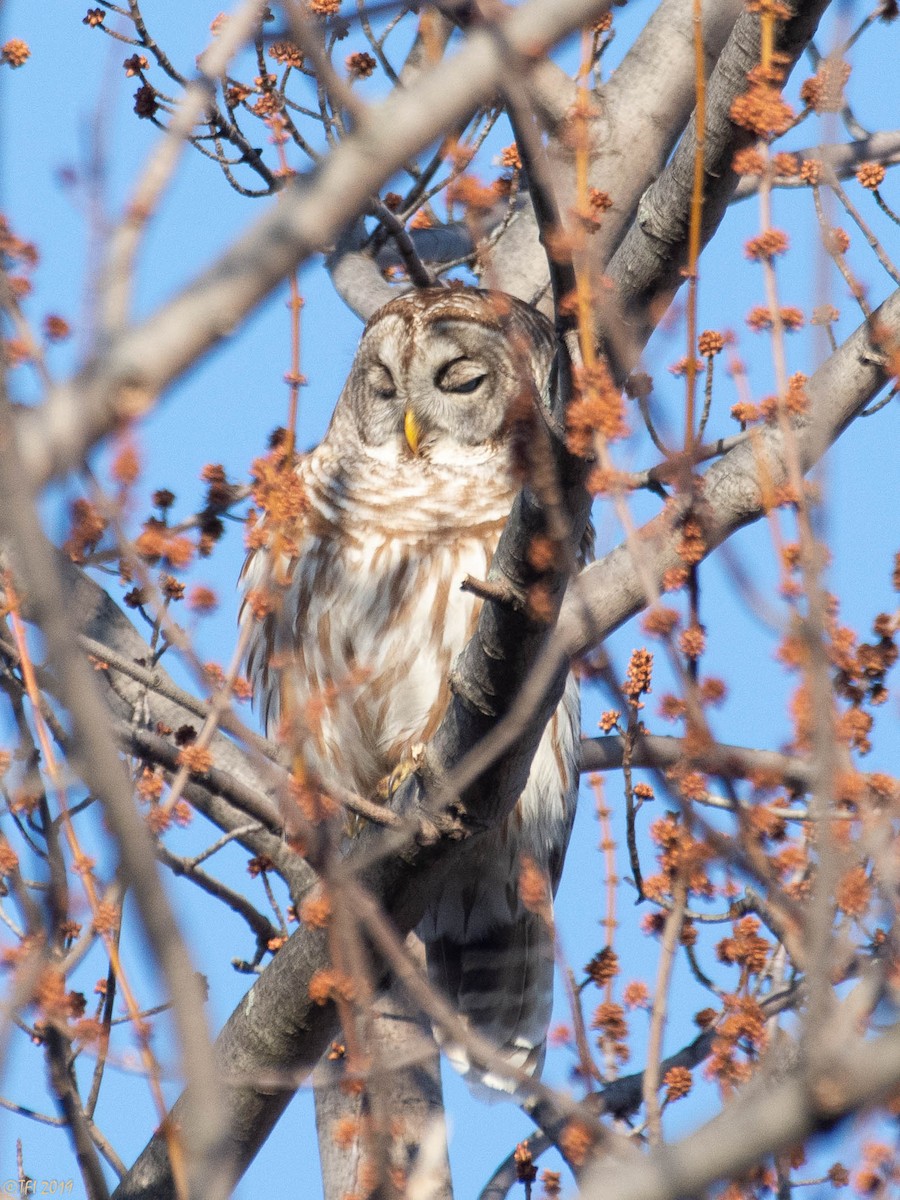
[73, 90]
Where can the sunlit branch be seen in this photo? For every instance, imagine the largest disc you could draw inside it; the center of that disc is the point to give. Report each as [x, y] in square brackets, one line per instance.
[145, 359]
[731, 762]
[622, 1098]
[843, 160]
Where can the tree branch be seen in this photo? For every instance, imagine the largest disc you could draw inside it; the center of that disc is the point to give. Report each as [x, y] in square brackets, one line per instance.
[646, 267]
[620, 1099]
[728, 762]
[125, 380]
[608, 592]
[842, 159]
[775, 1111]
[233, 784]
[640, 113]
[95, 757]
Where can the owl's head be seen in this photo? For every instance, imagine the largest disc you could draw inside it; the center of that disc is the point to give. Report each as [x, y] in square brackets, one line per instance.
[439, 369]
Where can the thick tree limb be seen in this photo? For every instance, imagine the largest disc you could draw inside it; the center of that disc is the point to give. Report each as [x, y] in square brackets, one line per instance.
[411, 1090]
[156, 680]
[640, 114]
[646, 267]
[239, 783]
[609, 591]
[646, 105]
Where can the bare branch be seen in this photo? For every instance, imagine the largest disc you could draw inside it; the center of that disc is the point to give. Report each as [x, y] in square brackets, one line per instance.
[843, 160]
[641, 112]
[621, 1098]
[646, 267]
[728, 762]
[110, 635]
[609, 591]
[126, 379]
[779, 1109]
[95, 755]
[70, 1106]
[262, 928]
[116, 282]
[156, 680]
[653, 1071]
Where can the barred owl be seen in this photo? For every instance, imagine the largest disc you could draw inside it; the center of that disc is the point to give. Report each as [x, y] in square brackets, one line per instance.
[405, 496]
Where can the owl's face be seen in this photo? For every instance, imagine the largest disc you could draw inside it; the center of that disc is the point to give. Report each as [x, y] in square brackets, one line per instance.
[437, 370]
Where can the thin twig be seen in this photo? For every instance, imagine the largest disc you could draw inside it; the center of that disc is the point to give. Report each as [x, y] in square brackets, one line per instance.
[671, 934]
[864, 227]
[116, 284]
[418, 273]
[263, 930]
[109, 997]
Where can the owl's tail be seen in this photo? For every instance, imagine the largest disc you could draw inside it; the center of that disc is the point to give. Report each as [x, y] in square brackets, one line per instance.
[502, 984]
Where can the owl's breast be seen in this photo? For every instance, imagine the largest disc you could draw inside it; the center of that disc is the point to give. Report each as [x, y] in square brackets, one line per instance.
[379, 620]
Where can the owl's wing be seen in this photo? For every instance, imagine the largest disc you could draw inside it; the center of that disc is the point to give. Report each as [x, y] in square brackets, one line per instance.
[266, 584]
[503, 985]
[262, 637]
[489, 954]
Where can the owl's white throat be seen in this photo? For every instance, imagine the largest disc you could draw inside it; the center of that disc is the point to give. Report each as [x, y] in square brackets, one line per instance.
[439, 452]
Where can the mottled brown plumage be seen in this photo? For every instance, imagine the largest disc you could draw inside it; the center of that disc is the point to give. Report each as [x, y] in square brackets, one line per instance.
[407, 494]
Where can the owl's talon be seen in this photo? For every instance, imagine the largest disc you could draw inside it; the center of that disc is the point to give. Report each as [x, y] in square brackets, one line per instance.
[412, 760]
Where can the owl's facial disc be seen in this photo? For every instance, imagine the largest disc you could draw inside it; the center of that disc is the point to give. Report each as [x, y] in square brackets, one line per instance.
[434, 392]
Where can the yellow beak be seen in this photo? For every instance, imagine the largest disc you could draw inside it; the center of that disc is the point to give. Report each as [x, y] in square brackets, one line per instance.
[412, 431]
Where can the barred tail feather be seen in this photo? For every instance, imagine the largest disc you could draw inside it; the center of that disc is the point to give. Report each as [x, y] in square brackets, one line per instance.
[502, 984]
